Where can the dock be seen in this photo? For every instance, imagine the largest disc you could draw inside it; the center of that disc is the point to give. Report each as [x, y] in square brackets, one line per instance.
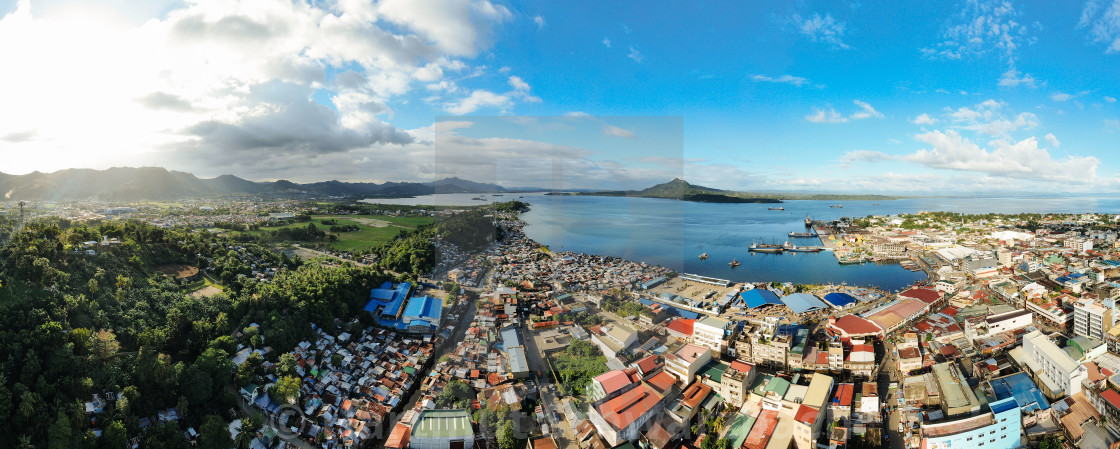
[705, 279]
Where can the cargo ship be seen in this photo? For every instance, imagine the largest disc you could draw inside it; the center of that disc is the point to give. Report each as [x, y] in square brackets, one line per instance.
[802, 234]
[777, 208]
[803, 249]
[765, 248]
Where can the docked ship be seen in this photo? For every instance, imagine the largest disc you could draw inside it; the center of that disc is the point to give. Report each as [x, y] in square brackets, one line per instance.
[777, 208]
[802, 234]
[808, 221]
[765, 248]
[802, 249]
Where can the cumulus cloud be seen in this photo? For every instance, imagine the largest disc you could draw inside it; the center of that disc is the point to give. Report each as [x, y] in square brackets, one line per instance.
[990, 118]
[923, 119]
[866, 156]
[238, 78]
[1053, 141]
[1101, 18]
[982, 26]
[829, 115]
[783, 79]
[826, 29]
[1012, 78]
[1005, 158]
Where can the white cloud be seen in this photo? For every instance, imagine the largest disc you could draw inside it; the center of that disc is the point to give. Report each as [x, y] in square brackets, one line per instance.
[1052, 140]
[1103, 24]
[784, 79]
[635, 54]
[479, 98]
[866, 111]
[923, 119]
[1110, 99]
[518, 84]
[989, 118]
[539, 21]
[829, 115]
[229, 80]
[1059, 96]
[1022, 159]
[1011, 78]
[607, 42]
[822, 29]
[981, 27]
[866, 156]
[611, 130]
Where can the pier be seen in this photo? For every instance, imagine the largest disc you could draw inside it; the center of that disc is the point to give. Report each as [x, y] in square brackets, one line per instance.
[705, 279]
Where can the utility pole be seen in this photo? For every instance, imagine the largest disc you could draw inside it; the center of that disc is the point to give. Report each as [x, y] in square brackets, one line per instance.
[21, 204]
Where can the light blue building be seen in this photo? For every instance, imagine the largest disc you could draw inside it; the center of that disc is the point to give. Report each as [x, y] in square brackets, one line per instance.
[998, 428]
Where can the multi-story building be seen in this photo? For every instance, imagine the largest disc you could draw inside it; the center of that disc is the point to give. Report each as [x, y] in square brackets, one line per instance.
[711, 333]
[621, 418]
[735, 382]
[995, 324]
[687, 361]
[1055, 372]
[861, 360]
[1092, 318]
[997, 428]
[1079, 244]
[773, 352]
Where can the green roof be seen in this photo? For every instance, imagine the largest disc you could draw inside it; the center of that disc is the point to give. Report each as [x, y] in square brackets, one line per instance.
[443, 423]
[410, 370]
[714, 370]
[777, 385]
[739, 429]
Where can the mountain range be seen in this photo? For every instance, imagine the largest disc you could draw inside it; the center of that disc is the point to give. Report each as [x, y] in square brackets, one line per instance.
[156, 183]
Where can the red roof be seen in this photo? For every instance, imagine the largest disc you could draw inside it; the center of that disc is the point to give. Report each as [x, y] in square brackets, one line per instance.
[695, 393]
[613, 380]
[1112, 397]
[741, 366]
[662, 381]
[681, 326]
[763, 427]
[806, 414]
[951, 311]
[843, 396]
[649, 364]
[399, 438]
[854, 326]
[863, 348]
[623, 410]
[909, 353]
[926, 295]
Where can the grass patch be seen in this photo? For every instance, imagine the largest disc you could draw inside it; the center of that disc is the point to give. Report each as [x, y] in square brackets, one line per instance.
[372, 229]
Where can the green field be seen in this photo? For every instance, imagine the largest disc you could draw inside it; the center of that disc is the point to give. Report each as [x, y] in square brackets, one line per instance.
[369, 234]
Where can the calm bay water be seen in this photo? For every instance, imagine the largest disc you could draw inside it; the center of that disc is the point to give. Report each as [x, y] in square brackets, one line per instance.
[674, 233]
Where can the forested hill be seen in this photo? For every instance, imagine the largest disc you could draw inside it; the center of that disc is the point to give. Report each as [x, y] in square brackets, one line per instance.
[156, 183]
[78, 321]
[679, 189]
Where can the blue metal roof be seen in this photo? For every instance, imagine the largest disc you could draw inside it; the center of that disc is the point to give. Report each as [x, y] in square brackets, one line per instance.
[803, 302]
[1020, 387]
[839, 299]
[424, 307]
[759, 297]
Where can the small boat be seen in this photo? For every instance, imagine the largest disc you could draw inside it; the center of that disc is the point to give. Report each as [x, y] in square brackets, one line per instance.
[874, 204]
[802, 234]
[837, 206]
[777, 208]
[808, 221]
[733, 263]
[765, 248]
[704, 256]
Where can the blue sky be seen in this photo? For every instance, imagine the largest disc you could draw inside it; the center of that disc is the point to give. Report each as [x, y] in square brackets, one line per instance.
[927, 97]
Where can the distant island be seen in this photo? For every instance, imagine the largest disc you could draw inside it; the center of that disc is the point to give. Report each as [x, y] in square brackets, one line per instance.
[679, 189]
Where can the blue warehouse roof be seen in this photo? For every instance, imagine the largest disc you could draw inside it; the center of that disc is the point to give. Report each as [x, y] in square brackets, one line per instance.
[803, 302]
[424, 307]
[839, 299]
[758, 297]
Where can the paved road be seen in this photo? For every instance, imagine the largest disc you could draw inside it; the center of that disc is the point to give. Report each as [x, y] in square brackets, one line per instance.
[564, 436]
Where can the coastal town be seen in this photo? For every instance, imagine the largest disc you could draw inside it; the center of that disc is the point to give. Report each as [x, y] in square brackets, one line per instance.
[1010, 342]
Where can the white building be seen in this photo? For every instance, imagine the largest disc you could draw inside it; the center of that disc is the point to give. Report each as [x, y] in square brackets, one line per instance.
[709, 332]
[1092, 318]
[1079, 244]
[687, 361]
[1051, 367]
